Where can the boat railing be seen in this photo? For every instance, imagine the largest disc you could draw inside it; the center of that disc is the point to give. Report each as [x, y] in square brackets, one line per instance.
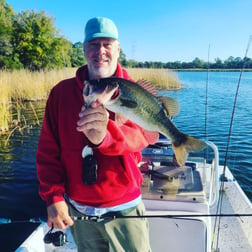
[214, 182]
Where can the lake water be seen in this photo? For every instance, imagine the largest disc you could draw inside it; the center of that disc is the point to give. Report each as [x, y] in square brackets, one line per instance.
[19, 199]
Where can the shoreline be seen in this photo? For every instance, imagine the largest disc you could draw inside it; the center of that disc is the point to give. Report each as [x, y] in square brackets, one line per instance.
[210, 70]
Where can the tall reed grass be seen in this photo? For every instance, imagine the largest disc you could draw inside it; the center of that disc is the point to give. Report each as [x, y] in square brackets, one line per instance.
[160, 78]
[5, 97]
[25, 85]
[20, 86]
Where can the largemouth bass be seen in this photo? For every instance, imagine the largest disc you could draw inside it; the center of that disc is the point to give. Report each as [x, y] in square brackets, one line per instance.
[138, 103]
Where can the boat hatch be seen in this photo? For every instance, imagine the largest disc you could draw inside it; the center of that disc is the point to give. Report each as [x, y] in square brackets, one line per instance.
[178, 235]
[195, 181]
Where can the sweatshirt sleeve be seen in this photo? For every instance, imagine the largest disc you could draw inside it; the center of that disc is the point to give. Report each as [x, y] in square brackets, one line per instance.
[125, 139]
[50, 172]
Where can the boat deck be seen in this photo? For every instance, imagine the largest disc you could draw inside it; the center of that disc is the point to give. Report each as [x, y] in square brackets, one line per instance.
[235, 233]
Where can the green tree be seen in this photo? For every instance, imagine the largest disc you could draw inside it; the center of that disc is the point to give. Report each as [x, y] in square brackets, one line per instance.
[247, 62]
[198, 63]
[218, 64]
[122, 58]
[229, 62]
[7, 57]
[238, 62]
[77, 55]
[37, 43]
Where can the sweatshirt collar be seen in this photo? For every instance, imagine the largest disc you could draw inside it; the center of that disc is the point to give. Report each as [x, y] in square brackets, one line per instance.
[82, 74]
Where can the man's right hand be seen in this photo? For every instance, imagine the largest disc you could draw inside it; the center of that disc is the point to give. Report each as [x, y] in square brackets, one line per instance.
[58, 215]
[93, 122]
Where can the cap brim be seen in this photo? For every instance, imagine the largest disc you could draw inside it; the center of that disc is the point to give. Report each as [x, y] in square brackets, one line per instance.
[100, 35]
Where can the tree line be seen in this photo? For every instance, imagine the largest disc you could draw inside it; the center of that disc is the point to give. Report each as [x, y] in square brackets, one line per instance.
[30, 40]
[230, 63]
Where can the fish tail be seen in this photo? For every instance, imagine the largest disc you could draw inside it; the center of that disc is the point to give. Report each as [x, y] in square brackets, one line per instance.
[190, 144]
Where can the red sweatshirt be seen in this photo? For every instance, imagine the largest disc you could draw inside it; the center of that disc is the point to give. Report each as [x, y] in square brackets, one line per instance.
[59, 160]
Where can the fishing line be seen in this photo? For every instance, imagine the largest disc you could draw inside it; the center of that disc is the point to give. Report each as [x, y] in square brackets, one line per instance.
[220, 201]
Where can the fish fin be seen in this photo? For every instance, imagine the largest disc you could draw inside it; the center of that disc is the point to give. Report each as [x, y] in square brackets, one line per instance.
[191, 144]
[180, 154]
[128, 103]
[120, 119]
[148, 86]
[171, 105]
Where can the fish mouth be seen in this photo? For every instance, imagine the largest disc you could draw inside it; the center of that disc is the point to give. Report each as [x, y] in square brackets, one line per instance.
[115, 95]
[103, 90]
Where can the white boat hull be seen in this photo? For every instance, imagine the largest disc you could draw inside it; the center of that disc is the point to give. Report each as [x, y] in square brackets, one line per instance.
[179, 202]
[179, 234]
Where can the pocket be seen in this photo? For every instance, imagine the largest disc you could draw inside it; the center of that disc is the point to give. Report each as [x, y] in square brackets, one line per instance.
[139, 210]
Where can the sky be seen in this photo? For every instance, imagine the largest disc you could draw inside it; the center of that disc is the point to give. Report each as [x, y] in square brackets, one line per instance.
[158, 30]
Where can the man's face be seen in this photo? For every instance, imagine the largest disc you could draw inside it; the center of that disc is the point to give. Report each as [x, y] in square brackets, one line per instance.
[102, 55]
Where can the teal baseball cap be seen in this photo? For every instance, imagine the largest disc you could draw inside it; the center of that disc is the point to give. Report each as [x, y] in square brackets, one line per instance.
[100, 27]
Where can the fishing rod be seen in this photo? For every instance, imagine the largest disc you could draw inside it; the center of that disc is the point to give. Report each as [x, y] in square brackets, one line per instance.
[219, 205]
[235, 101]
[30, 220]
[115, 216]
[166, 216]
[207, 80]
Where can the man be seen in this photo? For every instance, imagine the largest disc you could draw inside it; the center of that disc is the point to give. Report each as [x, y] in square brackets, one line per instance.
[67, 128]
